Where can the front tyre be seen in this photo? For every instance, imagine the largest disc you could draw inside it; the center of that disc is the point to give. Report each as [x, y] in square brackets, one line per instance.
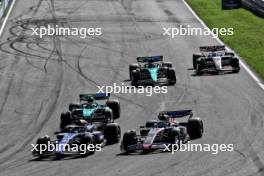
[115, 106]
[195, 128]
[41, 141]
[129, 138]
[112, 133]
[135, 78]
[235, 64]
[65, 119]
[74, 106]
[167, 64]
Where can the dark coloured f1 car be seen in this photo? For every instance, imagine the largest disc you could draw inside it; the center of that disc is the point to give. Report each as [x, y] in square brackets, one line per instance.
[81, 139]
[153, 72]
[91, 111]
[215, 59]
[166, 130]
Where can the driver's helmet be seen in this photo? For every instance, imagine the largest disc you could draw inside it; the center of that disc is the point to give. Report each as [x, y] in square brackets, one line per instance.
[81, 122]
[89, 100]
[215, 54]
[162, 124]
[151, 65]
[163, 117]
[46, 137]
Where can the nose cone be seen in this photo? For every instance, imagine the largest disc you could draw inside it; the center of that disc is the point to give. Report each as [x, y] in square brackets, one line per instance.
[154, 73]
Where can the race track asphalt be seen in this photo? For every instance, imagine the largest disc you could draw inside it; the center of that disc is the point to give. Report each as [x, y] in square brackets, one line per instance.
[40, 77]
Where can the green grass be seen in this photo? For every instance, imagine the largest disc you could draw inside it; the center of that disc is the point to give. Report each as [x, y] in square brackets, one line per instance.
[248, 38]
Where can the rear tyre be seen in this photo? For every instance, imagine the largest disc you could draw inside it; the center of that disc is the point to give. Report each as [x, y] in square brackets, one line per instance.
[195, 128]
[112, 133]
[131, 68]
[129, 138]
[229, 54]
[41, 141]
[195, 57]
[65, 119]
[199, 69]
[115, 106]
[171, 76]
[167, 64]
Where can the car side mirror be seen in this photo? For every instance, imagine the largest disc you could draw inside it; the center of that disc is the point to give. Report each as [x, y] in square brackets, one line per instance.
[56, 132]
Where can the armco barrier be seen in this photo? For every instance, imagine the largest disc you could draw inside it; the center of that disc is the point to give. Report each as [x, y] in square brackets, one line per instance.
[255, 5]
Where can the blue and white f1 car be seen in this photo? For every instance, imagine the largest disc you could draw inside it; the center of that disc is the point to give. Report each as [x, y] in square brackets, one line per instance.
[82, 140]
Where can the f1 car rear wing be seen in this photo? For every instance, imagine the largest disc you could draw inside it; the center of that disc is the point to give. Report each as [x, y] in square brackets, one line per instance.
[150, 59]
[97, 96]
[212, 48]
[177, 114]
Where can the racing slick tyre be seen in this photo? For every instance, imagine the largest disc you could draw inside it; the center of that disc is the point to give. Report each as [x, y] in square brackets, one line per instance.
[41, 141]
[129, 138]
[198, 69]
[115, 106]
[195, 57]
[65, 119]
[88, 140]
[171, 76]
[236, 71]
[229, 54]
[167, 64]
[112, 133]
[195, 128]
[108, 115]
[131, 68]
[135, 78]
[73, 106]
[235, 64]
